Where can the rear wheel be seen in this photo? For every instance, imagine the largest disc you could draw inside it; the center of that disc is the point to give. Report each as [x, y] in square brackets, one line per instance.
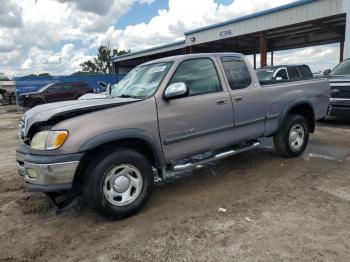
[118, 183]
[293, 137]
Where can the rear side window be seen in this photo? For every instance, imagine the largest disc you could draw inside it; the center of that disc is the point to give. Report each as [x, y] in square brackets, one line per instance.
[68, 87]
[199, 75]
[54, 88]
[305, 71]
[293, 72]
[236, 71]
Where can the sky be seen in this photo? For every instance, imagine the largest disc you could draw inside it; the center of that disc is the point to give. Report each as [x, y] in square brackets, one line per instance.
[56, 36]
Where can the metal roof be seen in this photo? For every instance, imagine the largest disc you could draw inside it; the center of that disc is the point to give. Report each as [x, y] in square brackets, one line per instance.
[285, 25]
[165, 47]
[254, 15]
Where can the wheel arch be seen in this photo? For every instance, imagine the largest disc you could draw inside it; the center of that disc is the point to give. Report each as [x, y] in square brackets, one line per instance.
[303, 108]
[135, 139]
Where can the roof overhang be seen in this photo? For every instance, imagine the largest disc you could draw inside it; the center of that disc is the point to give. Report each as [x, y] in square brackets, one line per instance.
[151, 51]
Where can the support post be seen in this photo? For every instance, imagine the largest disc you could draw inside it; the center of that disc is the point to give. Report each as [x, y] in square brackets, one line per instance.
[254, 54]
[271, 57]
[254, 60]
[189, 49]
[346, 10]
[263, 53]
[341, 56]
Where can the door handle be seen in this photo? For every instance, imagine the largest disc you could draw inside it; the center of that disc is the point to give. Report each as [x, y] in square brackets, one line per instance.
[238, 98]
[221, 101]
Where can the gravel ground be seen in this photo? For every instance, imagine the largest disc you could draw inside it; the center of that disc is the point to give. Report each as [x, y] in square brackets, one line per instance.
[275, 210]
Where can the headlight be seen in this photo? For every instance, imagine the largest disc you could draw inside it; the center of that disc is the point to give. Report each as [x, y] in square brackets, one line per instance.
[48, 140]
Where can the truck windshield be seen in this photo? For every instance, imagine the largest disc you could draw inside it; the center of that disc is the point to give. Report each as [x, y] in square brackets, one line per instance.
[342, 69]
[142, 81]
[264, 74]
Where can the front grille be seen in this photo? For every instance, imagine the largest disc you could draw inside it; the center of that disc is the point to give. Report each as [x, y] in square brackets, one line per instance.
[340, 91]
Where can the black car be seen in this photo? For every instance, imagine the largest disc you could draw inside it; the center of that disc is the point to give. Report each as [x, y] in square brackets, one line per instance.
[55, 92]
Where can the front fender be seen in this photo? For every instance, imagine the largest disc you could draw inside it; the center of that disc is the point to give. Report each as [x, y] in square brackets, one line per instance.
[130, 133]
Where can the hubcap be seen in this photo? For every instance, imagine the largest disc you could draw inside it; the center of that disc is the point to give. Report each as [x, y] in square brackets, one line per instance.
[122, 185]
[297, 137]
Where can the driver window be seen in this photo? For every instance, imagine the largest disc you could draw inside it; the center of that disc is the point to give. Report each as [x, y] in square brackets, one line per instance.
[199, 75]
[283, 74]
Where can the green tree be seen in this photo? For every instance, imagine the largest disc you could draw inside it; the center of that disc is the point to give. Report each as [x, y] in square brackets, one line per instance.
[44, 74]
[4, 77]
[102, 63]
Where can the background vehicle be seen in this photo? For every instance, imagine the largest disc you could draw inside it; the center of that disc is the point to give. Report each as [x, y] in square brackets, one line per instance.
[100, 94]
[161, 116]
[339, 80]
[284, 72]
[55, 92]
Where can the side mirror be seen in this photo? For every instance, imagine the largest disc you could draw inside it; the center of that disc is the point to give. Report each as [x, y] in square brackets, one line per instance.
[327, 72]
[176, 90]
[279, 78]
[102, 84]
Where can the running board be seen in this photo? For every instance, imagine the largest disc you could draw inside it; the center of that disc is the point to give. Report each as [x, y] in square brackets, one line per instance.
[193, 164]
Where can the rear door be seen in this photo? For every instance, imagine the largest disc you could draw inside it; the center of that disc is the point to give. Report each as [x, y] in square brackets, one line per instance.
[247, 98]
[70, 92]
[53, 93]
[202, 120]
[293, 73]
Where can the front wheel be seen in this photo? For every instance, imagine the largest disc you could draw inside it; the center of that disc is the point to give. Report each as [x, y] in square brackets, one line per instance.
[119, 183]
[293, 137]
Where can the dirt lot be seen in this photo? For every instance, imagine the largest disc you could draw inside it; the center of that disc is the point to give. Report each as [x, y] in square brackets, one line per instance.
[276, 210]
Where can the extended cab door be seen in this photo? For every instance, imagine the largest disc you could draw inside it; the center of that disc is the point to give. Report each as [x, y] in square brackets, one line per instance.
[202, 120]
[247, 98]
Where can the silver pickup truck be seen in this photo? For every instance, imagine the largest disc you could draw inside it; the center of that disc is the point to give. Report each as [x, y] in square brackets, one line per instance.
[157, 121]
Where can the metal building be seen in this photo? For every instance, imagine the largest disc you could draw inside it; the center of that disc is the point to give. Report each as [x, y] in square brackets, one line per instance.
[299, 24]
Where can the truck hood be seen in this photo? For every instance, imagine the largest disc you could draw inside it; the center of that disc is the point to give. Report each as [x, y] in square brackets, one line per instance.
[93, 96]
[29, 93]
[54, 112]
[339, 79]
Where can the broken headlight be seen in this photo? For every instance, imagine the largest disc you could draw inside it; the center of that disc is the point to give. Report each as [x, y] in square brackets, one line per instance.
[49, 140]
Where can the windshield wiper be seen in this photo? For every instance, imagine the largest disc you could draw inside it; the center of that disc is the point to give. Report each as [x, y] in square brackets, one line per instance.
[129, 96]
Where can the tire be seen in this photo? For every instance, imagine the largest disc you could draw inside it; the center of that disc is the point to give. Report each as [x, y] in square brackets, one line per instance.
[118, 183]
[293, 136]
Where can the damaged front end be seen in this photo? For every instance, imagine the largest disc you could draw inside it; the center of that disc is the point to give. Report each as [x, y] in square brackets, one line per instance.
[42, 167]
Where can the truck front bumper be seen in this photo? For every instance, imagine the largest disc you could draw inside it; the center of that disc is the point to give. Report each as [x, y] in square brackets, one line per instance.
[339, 107]
[46, 173]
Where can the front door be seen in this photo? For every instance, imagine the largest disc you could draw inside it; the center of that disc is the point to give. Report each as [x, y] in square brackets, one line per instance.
[202, 120]
[247, 98]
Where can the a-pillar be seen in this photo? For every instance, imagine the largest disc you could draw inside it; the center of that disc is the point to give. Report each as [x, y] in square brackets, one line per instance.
[263, 52]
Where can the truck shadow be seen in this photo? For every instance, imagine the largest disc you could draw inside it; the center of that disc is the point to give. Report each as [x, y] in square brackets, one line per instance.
[340, 122]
